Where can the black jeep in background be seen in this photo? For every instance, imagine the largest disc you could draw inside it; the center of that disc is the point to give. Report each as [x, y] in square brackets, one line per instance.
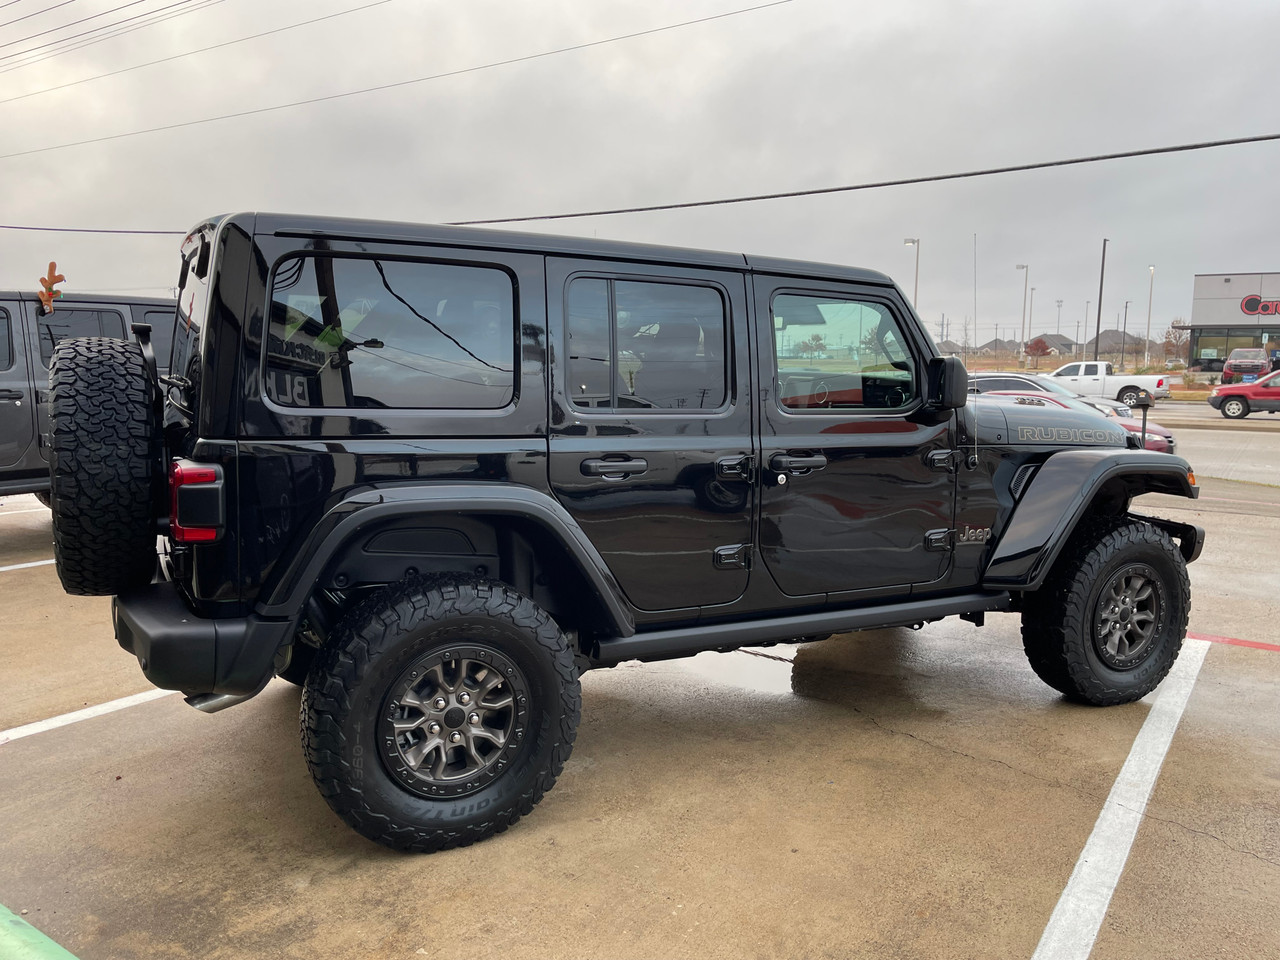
[27, 338]
[432, 474]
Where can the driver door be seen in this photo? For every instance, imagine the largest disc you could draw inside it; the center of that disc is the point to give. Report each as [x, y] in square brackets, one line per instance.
[858, 492]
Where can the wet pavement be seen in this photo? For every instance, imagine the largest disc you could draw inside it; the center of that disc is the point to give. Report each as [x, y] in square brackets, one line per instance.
[891, 793]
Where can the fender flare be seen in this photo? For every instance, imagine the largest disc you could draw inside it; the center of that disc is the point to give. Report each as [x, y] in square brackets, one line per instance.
[1059, 495]
[345, 522]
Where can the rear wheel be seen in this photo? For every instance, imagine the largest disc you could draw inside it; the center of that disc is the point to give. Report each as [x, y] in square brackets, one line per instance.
[1129, 396]
[1108, 623]
[1233, 408]
[105, 466]
[440, 713]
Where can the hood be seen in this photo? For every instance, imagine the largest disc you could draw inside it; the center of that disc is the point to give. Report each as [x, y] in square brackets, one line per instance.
[1038, 419]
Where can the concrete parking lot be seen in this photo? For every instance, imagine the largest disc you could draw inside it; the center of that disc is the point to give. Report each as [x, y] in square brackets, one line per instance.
[891, 794]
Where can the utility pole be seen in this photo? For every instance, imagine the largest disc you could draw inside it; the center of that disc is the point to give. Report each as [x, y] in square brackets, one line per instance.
[1026, 278]
[1146, 347]
[1079, 345]
[1124, 334]
[1102, 275]
[915, 292]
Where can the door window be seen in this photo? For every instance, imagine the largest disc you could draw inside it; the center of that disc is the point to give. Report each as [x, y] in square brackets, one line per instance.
[366, 332]
[1090, 369]
[638, 345]
[1070, 370]
[6, 344]
[836, 353]
[63, 324]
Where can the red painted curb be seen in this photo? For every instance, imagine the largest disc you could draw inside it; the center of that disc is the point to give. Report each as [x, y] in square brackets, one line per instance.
[1256, 645]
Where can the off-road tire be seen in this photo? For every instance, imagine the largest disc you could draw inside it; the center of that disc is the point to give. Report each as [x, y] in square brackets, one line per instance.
[348, 709]
[1059, 621]
[105, 465]
[1235, 408]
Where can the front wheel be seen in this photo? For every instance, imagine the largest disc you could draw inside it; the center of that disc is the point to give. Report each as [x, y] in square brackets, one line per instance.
[1109, 621]
[440, 713]
[1234, 408]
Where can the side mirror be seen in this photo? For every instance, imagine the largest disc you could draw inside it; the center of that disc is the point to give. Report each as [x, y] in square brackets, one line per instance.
[948, 383]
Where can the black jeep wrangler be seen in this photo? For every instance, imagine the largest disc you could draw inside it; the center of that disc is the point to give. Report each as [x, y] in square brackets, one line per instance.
[432, 474]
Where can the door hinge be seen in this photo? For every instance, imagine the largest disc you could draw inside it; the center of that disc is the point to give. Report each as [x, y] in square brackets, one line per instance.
[941, 540]
[735, 556]
[735, 468]
[943, 460]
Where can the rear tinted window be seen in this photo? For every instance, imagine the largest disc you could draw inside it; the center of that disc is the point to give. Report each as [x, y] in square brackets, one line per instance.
[162, 322]
[6, 344]
[365, 332]
[63, 324]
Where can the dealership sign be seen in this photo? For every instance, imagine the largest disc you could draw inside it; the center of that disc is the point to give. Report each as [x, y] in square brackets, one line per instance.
[1255, 306]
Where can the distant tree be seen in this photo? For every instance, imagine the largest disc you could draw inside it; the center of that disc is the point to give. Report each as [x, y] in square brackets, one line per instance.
[814, 346]
[1175, 342]
[1037, 348]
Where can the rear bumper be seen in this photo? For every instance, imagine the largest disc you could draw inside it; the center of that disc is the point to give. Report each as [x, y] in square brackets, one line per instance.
[179, 651]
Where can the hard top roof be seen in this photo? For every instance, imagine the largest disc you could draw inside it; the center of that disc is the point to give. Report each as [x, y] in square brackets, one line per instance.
[342, 228]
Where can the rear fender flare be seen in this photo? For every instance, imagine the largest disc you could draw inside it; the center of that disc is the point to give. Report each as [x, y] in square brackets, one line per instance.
[343, 525]
[1063, 490]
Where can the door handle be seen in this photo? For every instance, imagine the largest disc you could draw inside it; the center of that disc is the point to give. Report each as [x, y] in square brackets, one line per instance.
[783, 463]
[614, 469]
[10, 394]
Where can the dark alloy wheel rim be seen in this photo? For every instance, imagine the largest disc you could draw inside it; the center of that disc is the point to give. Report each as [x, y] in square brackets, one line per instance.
[454, 720]
[1129, 614]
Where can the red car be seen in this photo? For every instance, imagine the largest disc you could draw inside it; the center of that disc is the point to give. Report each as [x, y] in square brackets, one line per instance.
[1237, 400]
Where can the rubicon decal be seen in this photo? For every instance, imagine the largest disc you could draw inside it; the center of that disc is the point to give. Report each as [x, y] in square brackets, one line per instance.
[1255, 306]
[1065, 435]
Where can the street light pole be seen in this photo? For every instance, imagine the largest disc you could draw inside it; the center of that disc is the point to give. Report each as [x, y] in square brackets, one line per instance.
[1146, 356]
[1058, 331]
[1102, 275]
[1124, 334]
[915, 291]
[1026, 277]
[1079, 345]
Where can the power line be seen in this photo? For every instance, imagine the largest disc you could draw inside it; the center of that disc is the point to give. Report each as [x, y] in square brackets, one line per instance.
[86, 33]
[874, 185]
[398, 83]
[190, 53]
[65, 26]
[991, 171]
[30, 15]
[106, 32]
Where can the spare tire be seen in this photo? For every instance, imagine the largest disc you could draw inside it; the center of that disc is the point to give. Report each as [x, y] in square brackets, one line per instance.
[105, 465]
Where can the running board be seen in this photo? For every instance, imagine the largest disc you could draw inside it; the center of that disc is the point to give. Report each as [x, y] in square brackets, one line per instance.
[668, 644]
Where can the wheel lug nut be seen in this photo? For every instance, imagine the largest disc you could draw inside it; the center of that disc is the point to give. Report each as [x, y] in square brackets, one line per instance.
[433, 727]
[473, 718]
[455, 737]
[439, 703]
[464, 698]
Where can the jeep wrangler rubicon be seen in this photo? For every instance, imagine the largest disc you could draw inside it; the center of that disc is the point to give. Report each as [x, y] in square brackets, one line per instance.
[431, 474]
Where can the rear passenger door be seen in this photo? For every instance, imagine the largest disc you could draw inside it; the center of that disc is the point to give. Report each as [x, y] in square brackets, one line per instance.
[651, 437]
[16, 400]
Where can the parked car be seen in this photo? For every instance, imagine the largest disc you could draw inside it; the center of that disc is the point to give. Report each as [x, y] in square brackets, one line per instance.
[1155, 438]
[27, 341]
[1236, 400]
[1245, 365]
[1096, 379]
[986, 381]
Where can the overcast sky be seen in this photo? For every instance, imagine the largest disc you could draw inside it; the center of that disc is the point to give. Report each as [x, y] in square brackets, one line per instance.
[799, 95]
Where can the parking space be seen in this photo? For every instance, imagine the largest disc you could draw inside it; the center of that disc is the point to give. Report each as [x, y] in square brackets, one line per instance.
[890, 793]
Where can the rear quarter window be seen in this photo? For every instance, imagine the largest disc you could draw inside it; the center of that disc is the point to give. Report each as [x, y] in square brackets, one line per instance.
[6, 342]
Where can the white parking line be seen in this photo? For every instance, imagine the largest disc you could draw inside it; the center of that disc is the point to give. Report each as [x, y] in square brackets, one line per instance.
[1075, 922]
[25, 566]
[88, 713]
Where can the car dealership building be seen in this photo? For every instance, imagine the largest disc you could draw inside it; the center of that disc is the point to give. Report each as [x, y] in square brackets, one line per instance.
[1231, 310]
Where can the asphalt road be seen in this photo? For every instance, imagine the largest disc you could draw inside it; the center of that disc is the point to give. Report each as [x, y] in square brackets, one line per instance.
[1246, 450]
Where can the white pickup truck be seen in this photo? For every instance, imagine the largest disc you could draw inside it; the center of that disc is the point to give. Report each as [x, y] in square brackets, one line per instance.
[1096, 379]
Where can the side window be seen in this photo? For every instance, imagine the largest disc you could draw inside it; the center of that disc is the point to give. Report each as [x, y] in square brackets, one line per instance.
[641, 345]
[162, 323]
[63, 324]
[6, 344]
[1070, 370]
[366, 332]
[1090, 369]
[834, 353]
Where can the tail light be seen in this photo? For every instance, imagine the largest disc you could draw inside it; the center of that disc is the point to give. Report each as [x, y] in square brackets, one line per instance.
[1160, 383]
[197, 511]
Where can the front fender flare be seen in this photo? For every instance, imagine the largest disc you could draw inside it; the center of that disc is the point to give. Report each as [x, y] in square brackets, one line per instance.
[355, 514]
[1060, 494]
